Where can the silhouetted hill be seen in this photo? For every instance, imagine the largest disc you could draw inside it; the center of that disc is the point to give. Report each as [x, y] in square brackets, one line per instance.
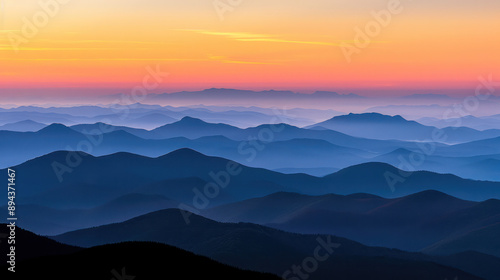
[151, 120]
[483, 123]
[102, 128]
[412, 222]
[138, 260]
[484, 265]
[50, 221]
[483, 240]
[384, 127]
[100, 139]
[23, 126]
[319, 94]
[192, 128]
[387, 181]
[303, 154]
[288, 148]
[480, 147]
[151, 116]
[470, 167]
[122, 173]
[427, 96]
[30, 245]
[263, 249]
[223, 95]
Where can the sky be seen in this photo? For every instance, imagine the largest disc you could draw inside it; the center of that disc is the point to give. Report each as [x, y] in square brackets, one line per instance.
[96, 47]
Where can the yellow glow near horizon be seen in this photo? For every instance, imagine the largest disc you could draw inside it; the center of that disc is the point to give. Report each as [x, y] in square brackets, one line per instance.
[265, 44]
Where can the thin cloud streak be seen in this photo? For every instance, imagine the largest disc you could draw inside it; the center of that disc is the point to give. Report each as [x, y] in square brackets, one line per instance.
[250, 37]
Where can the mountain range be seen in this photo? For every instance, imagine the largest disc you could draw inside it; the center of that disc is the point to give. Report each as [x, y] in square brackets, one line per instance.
[255, 138]
[234, 192]
[60, 183]
[479, 123]
[36, 256]
[224, 140]
[49, 174]
[277, 147]
[383, 127]
[151, 116]
[264, 249]
[23, 126]
[428, 221]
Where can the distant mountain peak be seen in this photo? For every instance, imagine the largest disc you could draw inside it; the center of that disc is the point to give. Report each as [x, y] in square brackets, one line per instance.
[184, 152]
[26, 122]
[363, 196]
[55, 128]
[427, 96]
[374, 168]
[23, 126]
[399, 151]
[224, 90]
[57, 156]
[321, 93]
[338, 123]
[285, 125]
[371, 165]
[431, 195]
[373, 116]
[215, 89]
[191, 120]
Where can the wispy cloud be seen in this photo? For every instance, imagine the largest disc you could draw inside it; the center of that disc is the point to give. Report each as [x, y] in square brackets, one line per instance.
[232, 35]
[252, 37]
[9, 48]
[92, 43]
[224, 59]
[103, 59]
[220, 59]
[286, 41]
[101, 41]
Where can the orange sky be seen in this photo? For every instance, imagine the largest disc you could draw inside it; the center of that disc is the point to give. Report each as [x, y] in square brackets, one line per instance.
[282, 44]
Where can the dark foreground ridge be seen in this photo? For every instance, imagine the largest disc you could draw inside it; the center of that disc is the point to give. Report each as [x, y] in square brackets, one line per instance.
[263, 249]
[127, 261]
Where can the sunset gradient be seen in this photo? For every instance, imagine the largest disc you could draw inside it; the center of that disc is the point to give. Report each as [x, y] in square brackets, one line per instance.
[252, 44]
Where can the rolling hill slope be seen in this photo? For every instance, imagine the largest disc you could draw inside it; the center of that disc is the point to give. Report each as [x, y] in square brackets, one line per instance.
[263, 249]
